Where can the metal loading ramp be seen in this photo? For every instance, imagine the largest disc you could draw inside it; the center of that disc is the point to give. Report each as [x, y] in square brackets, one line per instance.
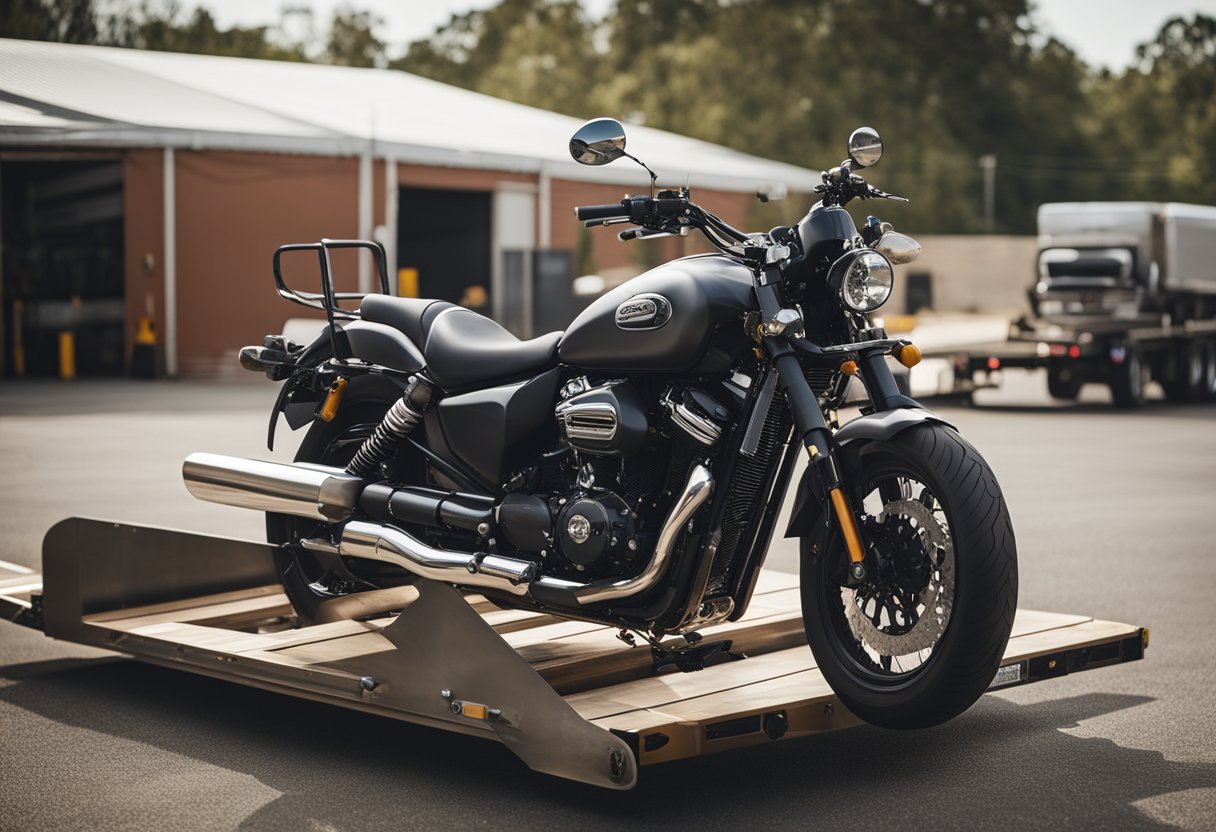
[568, 697]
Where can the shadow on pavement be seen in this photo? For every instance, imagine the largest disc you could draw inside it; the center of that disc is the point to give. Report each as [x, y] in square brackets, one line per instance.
[998, 765]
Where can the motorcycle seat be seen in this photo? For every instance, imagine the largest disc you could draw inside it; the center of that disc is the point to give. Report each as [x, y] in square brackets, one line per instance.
[413, 316]
[462, 348]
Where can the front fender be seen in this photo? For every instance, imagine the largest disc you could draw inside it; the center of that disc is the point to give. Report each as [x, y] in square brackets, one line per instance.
[849, 440]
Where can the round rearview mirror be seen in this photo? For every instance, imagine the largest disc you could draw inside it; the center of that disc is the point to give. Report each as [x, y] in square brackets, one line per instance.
[598, 142]
[865, 147]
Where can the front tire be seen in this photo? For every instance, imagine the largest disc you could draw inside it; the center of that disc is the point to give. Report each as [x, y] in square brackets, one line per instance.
[922, 640]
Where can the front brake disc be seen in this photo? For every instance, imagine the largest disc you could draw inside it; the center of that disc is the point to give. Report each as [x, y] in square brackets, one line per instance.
[934, 601]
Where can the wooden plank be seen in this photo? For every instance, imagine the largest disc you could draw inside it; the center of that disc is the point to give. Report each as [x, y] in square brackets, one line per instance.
[1045, 631]
[180, 610]
[513, 621]
[11, 570]
[235, 642]
[1085, 634]
[337, 649]
[658, 691]
[230, 614]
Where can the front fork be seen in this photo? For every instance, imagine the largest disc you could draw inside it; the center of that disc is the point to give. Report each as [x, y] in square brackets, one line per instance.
[817, 438]
[812, 428]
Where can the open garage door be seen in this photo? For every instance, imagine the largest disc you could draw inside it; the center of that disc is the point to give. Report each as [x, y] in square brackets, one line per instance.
[61, 239]
[444, 246]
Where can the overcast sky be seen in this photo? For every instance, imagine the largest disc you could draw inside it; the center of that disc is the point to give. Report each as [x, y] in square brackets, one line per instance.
[1103, 32]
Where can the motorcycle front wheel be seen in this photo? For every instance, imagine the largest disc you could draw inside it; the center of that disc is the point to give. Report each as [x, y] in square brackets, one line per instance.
[922, 638]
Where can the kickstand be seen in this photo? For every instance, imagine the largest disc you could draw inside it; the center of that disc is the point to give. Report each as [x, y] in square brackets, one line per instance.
[694, 658]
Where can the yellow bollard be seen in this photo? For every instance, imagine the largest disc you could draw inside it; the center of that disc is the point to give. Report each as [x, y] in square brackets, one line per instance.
[67, 355]
[143, 354]
[407, 283]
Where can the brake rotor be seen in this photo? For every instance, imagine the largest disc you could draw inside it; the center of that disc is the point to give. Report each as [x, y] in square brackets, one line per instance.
[933, 602]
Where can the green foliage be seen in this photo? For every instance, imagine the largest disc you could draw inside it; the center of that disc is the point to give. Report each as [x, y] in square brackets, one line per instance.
[352, 40]
[522, 50]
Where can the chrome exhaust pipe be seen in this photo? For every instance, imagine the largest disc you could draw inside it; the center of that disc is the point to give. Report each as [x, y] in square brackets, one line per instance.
[372, 541]
[317, 492]
[696, 491]
[331, 495]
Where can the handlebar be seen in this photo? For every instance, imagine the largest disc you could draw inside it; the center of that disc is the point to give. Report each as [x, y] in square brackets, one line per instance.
[602, 212]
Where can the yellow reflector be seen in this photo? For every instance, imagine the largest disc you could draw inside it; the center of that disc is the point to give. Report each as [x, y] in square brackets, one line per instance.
[333, 401]
[908, 355]
[473, 711]
[849, 368]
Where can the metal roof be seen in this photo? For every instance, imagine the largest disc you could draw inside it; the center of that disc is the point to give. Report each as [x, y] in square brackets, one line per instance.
[63, 94]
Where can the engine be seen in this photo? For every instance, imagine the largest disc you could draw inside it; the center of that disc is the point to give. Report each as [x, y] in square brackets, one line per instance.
[596, 505]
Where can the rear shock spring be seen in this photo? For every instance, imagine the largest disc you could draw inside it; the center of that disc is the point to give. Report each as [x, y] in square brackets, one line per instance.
[401, 419]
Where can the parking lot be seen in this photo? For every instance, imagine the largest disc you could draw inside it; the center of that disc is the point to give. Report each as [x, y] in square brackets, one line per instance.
[1115, 518]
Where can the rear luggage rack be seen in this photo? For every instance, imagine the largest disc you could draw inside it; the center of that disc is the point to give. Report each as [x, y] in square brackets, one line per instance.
[328, 300]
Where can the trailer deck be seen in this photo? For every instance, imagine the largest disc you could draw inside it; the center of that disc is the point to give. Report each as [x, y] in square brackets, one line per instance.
[568, 697]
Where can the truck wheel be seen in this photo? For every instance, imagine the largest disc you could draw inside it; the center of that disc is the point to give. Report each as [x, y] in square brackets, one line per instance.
[1062, 384]
[1129, 378]
[1186, 381]
[1207, 386]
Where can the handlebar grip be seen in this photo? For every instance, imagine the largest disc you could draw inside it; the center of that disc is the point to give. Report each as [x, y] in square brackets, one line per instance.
[601, 212]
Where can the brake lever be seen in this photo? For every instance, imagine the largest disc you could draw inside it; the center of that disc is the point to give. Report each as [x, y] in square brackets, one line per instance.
[874, 192]
[646, 233]
[608, 221]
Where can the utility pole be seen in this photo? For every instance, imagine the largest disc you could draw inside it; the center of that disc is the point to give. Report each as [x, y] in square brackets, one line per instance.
[988, 165]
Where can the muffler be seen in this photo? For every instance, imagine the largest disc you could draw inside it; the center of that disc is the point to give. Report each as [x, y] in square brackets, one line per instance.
[317, 492]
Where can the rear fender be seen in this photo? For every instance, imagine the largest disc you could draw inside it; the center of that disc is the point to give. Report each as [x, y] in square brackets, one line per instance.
[300, 400]
[849, 441]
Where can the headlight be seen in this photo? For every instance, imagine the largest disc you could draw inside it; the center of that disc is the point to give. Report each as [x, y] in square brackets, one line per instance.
[864, 279]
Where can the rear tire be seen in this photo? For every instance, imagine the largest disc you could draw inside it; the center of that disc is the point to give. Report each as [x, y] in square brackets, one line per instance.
[969, 626]
[310, 578]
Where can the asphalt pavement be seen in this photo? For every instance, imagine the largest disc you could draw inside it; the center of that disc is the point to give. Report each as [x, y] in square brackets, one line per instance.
[1115, 515]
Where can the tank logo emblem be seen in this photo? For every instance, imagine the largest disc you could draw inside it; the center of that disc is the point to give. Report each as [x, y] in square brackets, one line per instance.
[643, 312]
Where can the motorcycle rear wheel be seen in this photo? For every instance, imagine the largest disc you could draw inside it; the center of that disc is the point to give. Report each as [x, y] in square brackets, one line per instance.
[922, 640]
[311, 578]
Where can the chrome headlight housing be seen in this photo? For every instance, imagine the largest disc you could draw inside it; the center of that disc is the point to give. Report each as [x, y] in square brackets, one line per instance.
[864, 279]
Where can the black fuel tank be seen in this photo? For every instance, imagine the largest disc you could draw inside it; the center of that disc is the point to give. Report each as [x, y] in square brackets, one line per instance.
[700, 300]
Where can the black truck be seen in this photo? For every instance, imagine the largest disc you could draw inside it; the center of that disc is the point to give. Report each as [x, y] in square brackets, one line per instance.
[1124, 294]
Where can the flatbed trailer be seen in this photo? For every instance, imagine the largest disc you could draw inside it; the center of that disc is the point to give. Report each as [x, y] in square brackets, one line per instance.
[568, 697]
[1182, 357]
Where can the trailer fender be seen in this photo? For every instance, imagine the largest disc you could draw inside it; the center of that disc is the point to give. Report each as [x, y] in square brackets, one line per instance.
[850, 439]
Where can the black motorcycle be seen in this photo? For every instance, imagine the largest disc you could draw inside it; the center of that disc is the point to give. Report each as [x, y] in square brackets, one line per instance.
[630, 470]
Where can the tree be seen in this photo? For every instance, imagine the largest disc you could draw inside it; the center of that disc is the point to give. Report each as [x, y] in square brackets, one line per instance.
[352, 39]
[538, 52]
[66, 21]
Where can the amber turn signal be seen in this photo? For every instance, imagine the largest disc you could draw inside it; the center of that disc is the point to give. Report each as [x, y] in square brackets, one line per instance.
[849, 368]
[908, 355]
[333, 401]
